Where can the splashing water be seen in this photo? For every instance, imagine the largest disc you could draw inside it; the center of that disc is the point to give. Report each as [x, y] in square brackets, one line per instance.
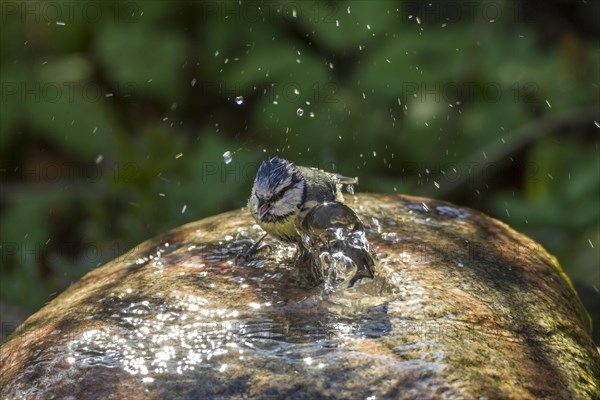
[340, 269]
[227, 157]
[335, 246]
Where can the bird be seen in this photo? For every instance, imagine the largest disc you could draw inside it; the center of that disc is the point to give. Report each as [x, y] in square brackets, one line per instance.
[284, 193]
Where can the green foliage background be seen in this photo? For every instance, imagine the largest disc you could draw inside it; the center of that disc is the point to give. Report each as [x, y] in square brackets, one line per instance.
[115, 116]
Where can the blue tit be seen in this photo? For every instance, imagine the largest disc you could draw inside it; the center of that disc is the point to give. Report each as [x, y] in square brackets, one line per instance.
[284, 193]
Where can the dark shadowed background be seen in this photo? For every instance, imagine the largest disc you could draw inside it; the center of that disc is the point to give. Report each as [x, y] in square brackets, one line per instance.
[116, 115]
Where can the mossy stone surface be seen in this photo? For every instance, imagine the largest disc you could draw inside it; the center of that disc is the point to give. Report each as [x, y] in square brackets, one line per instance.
[461, 307]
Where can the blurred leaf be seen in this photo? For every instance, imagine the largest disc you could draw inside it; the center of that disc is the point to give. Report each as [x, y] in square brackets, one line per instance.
[346, 25]
[214, 186]
[142, 60]
[562, 188]
[13, 103]
[25, 235]
[59, 103]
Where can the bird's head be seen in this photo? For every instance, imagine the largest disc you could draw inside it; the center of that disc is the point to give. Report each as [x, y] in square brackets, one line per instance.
[279, 190]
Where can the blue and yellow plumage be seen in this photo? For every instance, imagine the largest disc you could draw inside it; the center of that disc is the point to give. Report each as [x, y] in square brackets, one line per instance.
[283, 193]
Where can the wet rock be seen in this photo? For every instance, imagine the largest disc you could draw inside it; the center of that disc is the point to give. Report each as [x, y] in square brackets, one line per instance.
[461, 306]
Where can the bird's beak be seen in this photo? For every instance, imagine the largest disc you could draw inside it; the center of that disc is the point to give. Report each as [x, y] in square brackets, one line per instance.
[263, 208]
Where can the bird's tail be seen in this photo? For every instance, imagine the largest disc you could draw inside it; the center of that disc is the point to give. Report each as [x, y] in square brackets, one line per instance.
[346, 180]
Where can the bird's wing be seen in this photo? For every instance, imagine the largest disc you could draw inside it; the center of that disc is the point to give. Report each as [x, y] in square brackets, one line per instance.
[325, 186]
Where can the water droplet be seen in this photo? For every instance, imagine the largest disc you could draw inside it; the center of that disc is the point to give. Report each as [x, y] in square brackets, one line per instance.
[299, 112]
[375, 225]
[99, 158]
[239, 100]
[312, 114]
[227, 157]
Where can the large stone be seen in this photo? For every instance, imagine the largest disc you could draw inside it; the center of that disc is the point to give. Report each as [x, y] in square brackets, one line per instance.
[461, 307]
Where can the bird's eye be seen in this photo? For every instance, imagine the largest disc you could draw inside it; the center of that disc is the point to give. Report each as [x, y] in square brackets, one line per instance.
[278, 195]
